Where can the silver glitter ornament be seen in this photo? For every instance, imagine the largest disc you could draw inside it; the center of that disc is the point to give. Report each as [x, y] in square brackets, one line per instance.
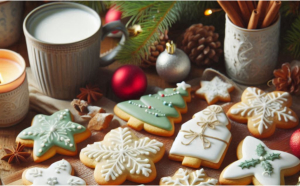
[173, 65]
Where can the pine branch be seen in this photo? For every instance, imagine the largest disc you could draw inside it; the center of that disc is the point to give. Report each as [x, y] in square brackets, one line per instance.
[98, 6]
[154, 17]
[293, 38]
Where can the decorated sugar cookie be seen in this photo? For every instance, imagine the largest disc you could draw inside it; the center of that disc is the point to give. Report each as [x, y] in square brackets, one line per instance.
[59, 173]
[122, 155]
[203, 140]
[53, 134]
[264, 111]
[214, 90]
[259, 164]
[183, 178]
[156, 113]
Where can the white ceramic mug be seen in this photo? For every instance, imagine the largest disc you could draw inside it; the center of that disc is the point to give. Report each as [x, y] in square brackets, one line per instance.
[251, 55]
[63, 41]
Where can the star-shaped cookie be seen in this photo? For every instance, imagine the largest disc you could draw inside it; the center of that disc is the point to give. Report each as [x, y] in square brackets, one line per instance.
[259, 164]
[59, 173]
[183, 178]
[214, 90]
[183, 85]
[264, 111]
[122, 155]
[53, 134]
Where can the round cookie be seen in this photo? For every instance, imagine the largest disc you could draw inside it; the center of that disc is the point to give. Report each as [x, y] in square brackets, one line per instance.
[59, 173]
[53, 134]
[259, 164]
[121, 155]
[264, 111]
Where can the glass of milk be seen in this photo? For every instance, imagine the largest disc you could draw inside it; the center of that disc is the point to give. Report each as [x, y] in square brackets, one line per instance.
[63, 41]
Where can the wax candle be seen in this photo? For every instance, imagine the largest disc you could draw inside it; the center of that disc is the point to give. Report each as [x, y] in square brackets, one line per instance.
[12, 70]
[14, 94]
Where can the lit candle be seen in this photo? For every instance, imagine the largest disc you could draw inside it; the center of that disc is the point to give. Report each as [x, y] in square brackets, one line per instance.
[12, 70]
[14, 94]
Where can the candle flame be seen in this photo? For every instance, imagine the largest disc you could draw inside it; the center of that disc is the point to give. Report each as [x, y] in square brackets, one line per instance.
[1, 79]
[208, 12]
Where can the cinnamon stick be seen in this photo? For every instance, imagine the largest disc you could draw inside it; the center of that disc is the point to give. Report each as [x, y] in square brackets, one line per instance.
[244, 10]
[262, 9]
[253, 20]
[271, 14]
[250, 5]
[232, 12]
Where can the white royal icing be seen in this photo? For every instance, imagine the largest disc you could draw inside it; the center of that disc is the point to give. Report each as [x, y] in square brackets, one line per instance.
[214, 88]
[59, 173]
[286, 160]
[124, 153]
[264, 107]
[183, 178]
[183, 85]
[195, 148]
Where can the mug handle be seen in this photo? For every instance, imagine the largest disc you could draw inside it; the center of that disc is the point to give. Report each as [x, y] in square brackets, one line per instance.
[106, 29]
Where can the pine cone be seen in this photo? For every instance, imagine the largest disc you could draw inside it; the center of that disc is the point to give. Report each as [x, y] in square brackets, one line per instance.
[201, 44]
[287, 79]
[155, 49]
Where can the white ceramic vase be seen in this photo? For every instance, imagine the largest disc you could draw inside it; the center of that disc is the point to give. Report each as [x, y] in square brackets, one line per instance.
[251, 55]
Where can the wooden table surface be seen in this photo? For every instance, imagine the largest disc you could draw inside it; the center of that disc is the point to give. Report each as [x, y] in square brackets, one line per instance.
[8, 135]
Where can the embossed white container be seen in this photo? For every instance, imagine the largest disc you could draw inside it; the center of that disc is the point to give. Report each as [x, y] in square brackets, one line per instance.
[251, 55]
[11, 13]
[60, 69]
[14, 101]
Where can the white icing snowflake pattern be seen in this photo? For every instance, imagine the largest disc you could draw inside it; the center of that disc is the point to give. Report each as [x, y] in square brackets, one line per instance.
[262, 108]
[59, 173]
[124, 153]
[182, 178]
[214, 88]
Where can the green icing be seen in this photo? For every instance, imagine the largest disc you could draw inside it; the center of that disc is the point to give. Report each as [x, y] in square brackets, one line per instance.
[137, 108]
[55, 130]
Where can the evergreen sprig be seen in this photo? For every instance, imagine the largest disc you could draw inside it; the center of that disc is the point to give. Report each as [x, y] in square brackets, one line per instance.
[293, 38]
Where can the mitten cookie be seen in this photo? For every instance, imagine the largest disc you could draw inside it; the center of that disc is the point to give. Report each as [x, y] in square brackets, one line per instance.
[259, 164]
[59, 173]
[214, 91]
[183, 178]
[203, 140]
[122, 155]
[156, 113]
[53, 134]
[264, 111]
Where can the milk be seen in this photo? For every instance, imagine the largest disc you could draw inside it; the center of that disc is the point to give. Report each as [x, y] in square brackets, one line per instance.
[63, 25]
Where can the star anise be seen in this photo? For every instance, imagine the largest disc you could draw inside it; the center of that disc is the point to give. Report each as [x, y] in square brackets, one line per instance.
[16, 154]
[287, 78]
[90, 93]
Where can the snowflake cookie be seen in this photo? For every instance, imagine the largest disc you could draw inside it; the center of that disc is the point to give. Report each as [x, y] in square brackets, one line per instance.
[264, 111]
[59, 173]
[156, 113]
[53, 134]
[183, 178]
[122, 155]
[203, 140]
[214, 90]
[259, 164]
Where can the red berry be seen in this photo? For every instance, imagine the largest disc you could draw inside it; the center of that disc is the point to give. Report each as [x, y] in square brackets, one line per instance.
[149, 107]
[162, 95]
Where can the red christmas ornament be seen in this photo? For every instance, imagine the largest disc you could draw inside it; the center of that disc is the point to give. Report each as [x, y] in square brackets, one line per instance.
[295, 143]
[113, 15]
[129, 82]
